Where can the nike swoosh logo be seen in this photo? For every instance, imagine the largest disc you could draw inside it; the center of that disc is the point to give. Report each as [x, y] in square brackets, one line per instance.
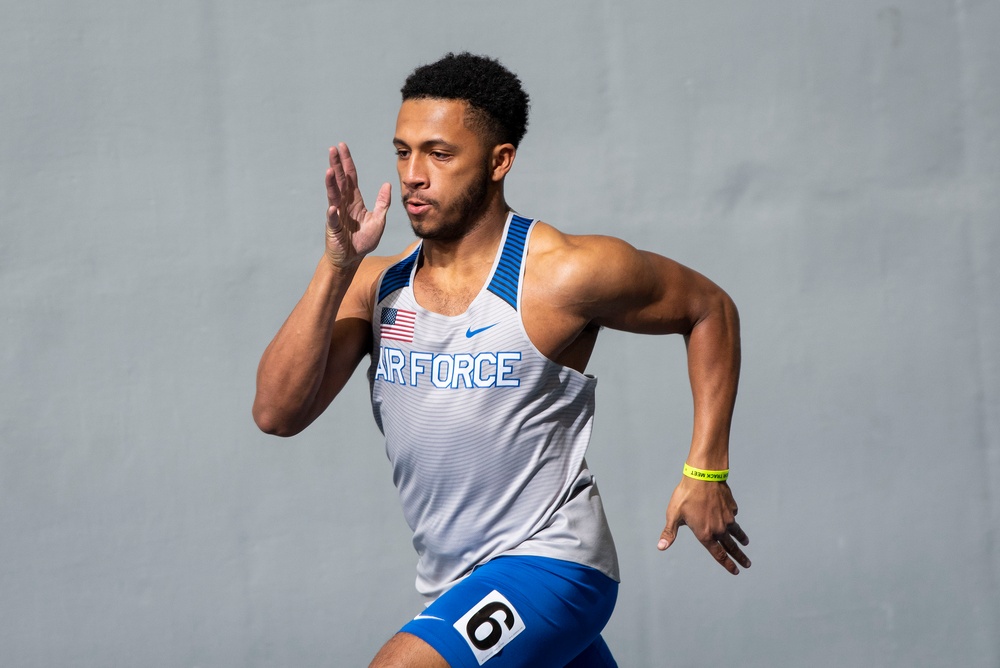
[427, 617]
[469, 333]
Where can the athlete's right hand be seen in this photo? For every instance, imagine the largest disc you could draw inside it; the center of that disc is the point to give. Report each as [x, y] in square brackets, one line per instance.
[352, 231]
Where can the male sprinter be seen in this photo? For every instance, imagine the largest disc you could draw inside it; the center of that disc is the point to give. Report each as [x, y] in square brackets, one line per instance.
[478, 335]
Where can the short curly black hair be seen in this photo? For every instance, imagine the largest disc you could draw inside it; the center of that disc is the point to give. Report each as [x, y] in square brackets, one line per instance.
[498, 104]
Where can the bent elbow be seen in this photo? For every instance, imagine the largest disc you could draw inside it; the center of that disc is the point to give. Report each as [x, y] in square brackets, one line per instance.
[270, 422]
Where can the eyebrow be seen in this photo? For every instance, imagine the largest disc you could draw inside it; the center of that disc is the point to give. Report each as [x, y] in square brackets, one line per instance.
[436, 142]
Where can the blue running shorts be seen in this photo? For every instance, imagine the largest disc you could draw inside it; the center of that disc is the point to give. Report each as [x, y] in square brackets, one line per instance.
[513, 611]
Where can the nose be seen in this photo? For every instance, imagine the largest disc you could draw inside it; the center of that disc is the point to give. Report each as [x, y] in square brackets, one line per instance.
[412, 173]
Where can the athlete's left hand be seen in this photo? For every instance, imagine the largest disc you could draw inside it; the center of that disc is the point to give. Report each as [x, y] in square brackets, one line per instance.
[709, 510]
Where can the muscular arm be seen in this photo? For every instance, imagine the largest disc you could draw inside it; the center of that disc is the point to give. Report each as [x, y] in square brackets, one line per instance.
[312, 356]
[328, 332]
[614, 285]
[647, 293]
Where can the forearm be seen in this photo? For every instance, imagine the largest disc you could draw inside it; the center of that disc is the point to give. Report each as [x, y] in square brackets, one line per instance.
[713, 346]
[293, 367]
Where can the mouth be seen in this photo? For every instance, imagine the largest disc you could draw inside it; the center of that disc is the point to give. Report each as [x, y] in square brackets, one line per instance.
[416, 207]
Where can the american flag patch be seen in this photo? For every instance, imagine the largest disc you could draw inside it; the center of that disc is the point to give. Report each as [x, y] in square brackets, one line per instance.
[398, 324]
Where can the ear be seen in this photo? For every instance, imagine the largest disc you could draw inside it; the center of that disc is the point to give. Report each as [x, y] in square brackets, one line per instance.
[501, 161]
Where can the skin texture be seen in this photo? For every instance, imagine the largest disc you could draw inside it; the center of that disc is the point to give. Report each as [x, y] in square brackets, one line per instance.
[407, 651]
[451, 185]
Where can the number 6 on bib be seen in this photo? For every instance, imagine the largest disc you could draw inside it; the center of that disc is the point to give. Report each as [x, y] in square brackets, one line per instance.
[489, 626]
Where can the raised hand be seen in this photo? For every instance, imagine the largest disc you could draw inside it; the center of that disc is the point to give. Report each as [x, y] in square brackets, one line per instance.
[352, 231]
[709, 510]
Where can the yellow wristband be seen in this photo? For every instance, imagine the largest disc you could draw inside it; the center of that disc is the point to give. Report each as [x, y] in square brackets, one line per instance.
[701, 474]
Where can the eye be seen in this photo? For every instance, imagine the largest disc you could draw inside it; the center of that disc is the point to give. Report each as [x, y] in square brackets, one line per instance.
[439, 155]
[402, 153]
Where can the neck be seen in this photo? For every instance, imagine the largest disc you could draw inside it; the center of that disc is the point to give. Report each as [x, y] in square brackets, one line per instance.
[451, 273]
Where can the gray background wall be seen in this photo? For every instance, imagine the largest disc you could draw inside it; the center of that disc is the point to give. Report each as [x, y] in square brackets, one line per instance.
[834, 166]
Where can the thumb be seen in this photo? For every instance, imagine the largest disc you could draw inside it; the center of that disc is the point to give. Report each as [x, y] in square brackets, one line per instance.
[669, 532]
[384, 199]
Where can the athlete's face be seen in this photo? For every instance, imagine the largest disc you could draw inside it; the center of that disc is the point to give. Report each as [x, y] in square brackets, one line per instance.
[444, 168]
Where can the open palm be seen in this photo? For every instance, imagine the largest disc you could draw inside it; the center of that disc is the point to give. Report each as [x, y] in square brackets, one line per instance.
[352, 231]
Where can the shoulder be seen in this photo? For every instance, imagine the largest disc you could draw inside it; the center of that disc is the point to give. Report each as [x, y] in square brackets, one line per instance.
[579, 251]
[606, 281]
[591, 267]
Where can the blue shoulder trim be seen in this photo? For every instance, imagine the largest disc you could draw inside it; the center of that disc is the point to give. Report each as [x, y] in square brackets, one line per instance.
[505, 278]
[397, 276]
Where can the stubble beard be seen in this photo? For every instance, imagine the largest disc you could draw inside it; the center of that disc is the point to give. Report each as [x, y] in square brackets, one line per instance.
[455, 221]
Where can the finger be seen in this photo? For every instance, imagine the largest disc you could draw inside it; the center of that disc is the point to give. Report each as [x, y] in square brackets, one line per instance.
[332, 191]
[347, 158]
[337, 165]
[719, 553]
[350, 171]
[333, 219]
[734, 551]
[334, 178]
[738, 533]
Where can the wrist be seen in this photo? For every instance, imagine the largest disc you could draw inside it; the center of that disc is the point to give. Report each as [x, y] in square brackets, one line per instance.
[707, 475]
[342, 265]
[339, 270]
[330, 282]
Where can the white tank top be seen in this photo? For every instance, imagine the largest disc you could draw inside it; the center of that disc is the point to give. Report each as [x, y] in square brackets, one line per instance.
[486, 435]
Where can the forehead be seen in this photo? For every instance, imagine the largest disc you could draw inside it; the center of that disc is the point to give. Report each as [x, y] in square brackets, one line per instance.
[428, 119]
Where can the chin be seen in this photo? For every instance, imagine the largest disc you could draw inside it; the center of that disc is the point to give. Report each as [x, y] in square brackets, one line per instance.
[437, 232]
[418, 228]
